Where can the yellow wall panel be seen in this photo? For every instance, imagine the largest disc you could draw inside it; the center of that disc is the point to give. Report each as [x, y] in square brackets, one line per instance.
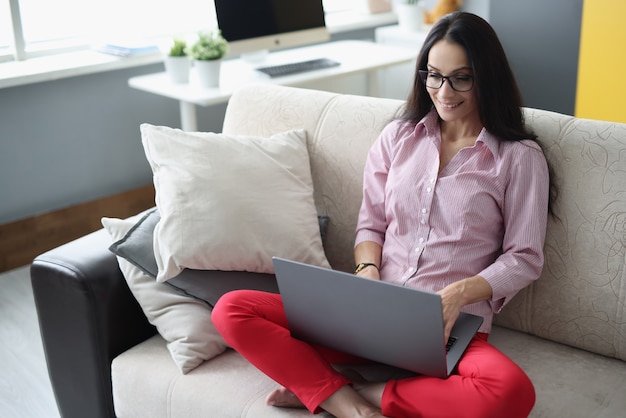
[601, 90]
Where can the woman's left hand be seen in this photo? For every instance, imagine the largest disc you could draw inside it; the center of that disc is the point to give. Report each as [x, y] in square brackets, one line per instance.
[452, 301]
[458, 294]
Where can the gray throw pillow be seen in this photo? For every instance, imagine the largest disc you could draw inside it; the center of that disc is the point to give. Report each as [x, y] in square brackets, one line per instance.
[207, 285]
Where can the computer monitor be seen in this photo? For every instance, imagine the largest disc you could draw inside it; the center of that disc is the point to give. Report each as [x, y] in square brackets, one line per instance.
[253, 26]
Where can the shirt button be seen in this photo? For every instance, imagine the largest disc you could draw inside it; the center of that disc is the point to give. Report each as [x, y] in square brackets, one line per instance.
[429, 189]
[421, 240]
[417, 249]
[423, 221]
[424, 210]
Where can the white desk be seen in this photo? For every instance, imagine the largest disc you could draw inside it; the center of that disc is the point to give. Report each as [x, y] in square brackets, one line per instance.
[354, 56]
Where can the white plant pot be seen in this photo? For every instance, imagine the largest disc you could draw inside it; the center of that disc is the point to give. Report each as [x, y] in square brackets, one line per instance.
[178, 69]
[410, 16]
[208, 72]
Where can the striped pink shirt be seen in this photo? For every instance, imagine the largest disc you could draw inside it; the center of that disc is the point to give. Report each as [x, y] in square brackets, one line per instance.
[484, 214]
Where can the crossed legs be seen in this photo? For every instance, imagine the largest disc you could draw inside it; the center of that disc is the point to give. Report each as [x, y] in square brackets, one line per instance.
[488, 384]
[371, 392]
[254, 324]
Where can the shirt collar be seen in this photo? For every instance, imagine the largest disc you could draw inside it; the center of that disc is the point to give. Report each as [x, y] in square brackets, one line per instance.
[492, 143]
[430, 123]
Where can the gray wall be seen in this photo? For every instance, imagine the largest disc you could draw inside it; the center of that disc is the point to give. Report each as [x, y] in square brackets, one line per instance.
[72, 140]
[68, 141]
[541, 39]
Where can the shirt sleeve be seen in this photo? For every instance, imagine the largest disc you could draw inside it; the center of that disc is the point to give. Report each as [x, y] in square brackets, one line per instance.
[525, 212]
[372, 222]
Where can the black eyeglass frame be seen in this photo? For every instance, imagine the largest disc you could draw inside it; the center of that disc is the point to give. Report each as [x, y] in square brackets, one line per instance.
[424, 76]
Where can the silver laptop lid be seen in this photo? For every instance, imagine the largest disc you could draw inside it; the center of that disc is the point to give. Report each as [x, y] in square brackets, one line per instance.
[375, 320]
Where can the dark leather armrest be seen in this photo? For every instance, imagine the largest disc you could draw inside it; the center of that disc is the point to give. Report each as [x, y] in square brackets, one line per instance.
[87, 317]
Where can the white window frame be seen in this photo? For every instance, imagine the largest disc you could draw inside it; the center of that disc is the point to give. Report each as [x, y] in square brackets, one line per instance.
[19, 65]
[18, 49]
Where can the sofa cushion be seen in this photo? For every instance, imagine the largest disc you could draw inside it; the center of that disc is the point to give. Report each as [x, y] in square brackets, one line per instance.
[185, 323]
[231, 202]
[568, 382]
[226, 386]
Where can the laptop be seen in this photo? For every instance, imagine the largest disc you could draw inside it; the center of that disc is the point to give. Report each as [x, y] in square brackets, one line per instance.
[375, 320]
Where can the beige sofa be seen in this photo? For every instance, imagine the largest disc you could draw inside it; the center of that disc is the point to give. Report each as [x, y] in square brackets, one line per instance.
[567, 331]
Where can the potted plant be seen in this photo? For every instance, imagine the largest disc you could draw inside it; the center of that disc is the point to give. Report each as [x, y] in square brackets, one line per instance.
[410, 14]
[207, 53]
[177, 63]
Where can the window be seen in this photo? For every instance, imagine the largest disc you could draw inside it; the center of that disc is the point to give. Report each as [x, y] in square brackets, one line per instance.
[49, 23]
[6, 35]
[49, 26]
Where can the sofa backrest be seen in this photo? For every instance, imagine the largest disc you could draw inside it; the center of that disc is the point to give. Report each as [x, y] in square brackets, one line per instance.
[579, 299]
[340, 128]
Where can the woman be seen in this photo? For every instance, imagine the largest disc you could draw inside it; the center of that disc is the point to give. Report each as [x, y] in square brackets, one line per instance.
[455, 201]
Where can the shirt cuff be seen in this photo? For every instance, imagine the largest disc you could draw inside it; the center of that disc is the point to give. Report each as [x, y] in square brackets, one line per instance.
[367, 235]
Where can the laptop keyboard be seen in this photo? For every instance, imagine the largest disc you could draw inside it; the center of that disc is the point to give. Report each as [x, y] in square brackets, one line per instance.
[450, 343]
[298, 67]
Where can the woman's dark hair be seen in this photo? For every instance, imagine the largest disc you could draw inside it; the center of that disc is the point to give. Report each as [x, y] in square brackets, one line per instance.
[498, 96]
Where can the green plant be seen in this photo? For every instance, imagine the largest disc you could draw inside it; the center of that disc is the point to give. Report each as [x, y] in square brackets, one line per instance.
[209, 46]
[178, 49]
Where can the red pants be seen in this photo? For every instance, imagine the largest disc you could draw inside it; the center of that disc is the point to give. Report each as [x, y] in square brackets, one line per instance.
[487, 383]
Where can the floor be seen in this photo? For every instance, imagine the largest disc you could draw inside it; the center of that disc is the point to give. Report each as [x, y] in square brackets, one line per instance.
[25, 390]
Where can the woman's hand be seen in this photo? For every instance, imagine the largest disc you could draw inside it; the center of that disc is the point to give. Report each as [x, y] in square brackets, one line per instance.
[458, 294]
[452, 301]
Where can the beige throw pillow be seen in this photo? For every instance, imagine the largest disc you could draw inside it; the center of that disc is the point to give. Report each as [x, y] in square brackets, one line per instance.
[183, 322]
[231, 202]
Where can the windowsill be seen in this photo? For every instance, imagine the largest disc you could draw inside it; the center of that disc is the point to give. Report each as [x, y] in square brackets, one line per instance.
[53, 67]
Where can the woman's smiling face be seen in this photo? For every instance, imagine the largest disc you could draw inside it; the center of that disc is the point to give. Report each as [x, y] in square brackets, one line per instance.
[450, 60]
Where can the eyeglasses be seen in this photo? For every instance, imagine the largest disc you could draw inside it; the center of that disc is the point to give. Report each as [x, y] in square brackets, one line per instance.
[457, 82]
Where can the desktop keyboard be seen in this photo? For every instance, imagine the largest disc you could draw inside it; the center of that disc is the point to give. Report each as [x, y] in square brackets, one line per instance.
[298, 67]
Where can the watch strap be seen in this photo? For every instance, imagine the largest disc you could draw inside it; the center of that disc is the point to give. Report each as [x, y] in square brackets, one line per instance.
[361, 266]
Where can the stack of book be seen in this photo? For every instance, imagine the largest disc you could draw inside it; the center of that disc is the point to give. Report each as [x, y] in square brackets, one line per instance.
[127, 49]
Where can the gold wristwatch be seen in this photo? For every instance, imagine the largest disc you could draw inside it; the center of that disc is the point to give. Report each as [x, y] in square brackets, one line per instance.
[361, 266]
